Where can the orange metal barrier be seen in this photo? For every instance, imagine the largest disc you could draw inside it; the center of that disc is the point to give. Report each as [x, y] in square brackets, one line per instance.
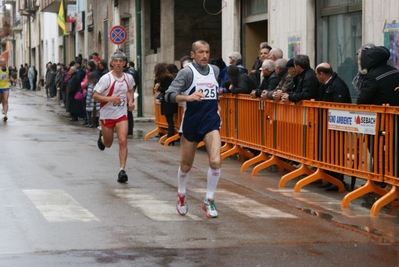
[162, 124]
[301, 133]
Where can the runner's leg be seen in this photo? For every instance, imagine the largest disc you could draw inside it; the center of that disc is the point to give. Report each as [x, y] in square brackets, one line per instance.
[121, 130]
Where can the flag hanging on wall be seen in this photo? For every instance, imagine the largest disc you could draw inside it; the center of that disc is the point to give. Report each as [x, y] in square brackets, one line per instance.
[61, 17]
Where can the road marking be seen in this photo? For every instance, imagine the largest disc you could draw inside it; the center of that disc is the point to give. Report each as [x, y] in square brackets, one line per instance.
[155, 209]
[58, 206]
[247, 206]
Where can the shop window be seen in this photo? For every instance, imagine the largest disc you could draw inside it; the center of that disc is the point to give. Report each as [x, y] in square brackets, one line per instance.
[254, 7]
[155, 26]
[341, 35]
[331, 3]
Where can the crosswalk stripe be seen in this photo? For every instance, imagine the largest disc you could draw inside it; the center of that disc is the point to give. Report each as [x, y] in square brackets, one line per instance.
[155, 209]
[58, 206]
[247, 206]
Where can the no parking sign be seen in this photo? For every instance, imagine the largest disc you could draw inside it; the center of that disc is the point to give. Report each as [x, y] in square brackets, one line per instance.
[118, 35]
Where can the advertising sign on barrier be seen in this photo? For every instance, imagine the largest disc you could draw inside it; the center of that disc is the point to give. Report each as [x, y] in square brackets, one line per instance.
[350, 121]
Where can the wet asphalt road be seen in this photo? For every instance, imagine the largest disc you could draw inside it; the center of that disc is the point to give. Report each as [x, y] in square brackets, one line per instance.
[61, 205]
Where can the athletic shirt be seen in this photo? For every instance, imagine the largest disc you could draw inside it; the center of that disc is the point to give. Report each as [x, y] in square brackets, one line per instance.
[109, 110]
[4, 79]
[201, 116]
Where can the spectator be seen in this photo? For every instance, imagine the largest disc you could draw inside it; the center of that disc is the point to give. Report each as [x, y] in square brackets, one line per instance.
[163, 79]
[275, 53]
[34, 78]
[238, 82]
[102, 67]
[269, 82]
[73, 88]
[236, 59]
[31, 77]
[332, 89]
[255, 70]
[379, 81]
[132, 71]
[222, 78]
[306, 84]
[185, 60]
[50, 80]
[21, 75]
[91, 106]
[281, 70]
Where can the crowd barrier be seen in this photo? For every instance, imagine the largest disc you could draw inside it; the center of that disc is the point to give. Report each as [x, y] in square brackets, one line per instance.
[322, 137]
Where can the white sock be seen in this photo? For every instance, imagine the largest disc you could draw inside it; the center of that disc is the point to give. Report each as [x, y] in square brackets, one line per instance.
[213, 179]
[182, 178]
[121, 169]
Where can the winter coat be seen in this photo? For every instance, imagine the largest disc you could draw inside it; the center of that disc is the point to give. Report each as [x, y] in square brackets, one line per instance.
[73, 87]
[379, 78]
[335, 90]
[166, 107]
[243, 85]
[269, 83]
[304, 87]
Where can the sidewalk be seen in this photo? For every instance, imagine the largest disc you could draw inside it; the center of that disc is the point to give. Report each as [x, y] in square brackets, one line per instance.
[42, 93]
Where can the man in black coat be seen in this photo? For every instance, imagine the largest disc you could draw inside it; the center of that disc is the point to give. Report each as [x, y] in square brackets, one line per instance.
[270, 79]
[332, 89]
[72, 89]
[238, 82]
[305, 87]
[379, 80]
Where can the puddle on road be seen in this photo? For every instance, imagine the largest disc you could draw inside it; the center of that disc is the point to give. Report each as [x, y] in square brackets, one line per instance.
[322, 215]
[369, 231]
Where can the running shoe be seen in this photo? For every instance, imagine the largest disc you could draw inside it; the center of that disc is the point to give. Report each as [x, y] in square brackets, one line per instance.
[181, 204]
[122, 177]
[99, 142]
[210, 208]
[5, 118]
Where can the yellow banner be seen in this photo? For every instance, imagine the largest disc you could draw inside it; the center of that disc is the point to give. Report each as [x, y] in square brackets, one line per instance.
[61, 17]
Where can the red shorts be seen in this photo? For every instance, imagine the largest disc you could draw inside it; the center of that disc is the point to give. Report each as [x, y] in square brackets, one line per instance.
[112, 123]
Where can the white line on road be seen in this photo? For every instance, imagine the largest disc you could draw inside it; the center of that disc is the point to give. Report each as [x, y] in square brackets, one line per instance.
[155, 209]
[247, 206]
[58, 206]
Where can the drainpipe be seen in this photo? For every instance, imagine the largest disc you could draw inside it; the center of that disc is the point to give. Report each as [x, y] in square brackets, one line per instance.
[30, 34]
[64, 38]
[139, 58]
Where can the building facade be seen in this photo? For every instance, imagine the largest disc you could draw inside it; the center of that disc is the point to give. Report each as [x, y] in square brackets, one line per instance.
[163, 31]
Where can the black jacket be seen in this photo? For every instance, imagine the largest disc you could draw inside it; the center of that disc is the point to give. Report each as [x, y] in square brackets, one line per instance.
[166, 107]
[243, 84]
[304, 87]
[73, 87]
[269, 83]
[379, 79]
[335, 90]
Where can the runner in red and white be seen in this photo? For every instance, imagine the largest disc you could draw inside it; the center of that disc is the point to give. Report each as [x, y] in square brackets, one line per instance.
[114, 91]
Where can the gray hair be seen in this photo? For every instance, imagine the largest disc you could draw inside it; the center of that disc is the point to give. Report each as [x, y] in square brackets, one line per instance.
[268, 64]
[280, 63]
[277, 52]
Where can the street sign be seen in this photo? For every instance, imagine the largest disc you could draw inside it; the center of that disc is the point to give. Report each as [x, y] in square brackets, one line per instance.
[118, 35]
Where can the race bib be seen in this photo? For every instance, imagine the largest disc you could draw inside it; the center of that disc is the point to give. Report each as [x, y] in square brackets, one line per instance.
[208, 89]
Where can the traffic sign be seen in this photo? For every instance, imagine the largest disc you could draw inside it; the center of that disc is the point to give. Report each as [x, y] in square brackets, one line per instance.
[118, 35]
